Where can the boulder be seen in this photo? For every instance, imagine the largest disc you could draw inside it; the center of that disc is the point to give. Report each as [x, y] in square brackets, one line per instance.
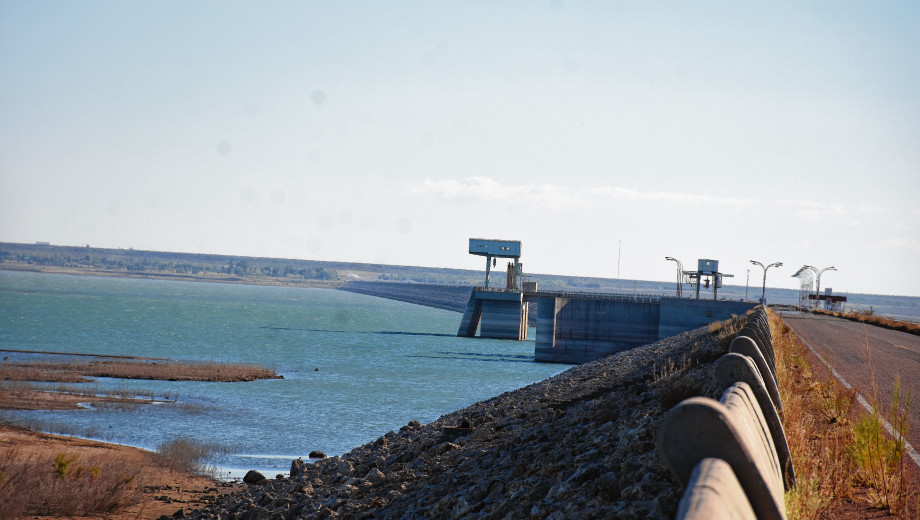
[298, 467]
[254, 478]
[316, 454]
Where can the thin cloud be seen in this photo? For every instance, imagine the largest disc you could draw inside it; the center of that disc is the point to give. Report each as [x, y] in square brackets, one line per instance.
[813, 211]
[558, 197]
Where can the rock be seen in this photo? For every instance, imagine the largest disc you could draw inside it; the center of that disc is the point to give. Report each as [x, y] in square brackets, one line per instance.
[298, 467]
[375, 476]
[254, 478]
[344, 467]
[316, 454]
[459, 509]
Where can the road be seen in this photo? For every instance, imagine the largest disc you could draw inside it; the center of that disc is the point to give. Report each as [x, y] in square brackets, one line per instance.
[862, 352]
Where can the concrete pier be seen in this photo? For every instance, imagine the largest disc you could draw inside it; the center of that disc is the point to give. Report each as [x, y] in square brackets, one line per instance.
[497, 315]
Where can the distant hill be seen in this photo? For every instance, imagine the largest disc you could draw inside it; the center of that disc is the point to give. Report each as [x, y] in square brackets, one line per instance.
[281, 271]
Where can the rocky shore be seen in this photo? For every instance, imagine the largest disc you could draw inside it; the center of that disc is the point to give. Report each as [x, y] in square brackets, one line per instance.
[578, 445]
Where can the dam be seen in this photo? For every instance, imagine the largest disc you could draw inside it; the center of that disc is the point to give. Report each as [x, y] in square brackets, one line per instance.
[582, 327]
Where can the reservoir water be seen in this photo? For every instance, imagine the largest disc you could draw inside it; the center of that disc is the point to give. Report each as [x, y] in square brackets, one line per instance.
[381, 363]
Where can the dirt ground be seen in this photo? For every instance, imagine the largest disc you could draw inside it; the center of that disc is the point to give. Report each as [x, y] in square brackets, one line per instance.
[163, 491]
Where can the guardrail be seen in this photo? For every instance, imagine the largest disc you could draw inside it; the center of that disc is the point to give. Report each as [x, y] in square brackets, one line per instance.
[732, 454]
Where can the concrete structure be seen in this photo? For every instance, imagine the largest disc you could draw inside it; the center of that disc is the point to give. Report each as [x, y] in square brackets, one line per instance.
[714, 493]
[734, 367]
[496, 314]
[580, 327]
[576, 328]
[733, 430]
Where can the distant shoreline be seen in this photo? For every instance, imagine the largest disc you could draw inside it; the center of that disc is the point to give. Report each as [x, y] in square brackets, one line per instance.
[110, 273]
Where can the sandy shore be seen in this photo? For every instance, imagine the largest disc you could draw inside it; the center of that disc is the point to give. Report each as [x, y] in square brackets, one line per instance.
[29, 460]
[159, 490]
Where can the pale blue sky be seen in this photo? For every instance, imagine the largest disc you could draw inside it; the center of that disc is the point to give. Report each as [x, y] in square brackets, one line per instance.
[393, 131]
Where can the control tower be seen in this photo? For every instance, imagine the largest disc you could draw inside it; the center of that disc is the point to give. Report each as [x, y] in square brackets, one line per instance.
[499, 313]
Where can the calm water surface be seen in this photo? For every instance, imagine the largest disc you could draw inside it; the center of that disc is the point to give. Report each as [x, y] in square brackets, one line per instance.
[381, 363]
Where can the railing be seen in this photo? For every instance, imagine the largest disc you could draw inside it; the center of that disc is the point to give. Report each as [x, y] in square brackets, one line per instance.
[640, 298]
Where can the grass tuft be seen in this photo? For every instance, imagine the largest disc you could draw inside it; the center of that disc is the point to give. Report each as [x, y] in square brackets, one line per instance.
[31, 485]
[188, 455]
[879, 458]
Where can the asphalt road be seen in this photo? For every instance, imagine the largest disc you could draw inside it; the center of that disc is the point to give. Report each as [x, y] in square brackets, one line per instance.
[862, 353]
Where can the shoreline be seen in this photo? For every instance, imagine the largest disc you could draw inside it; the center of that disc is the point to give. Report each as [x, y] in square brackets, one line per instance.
[156, 490]
[108, 273]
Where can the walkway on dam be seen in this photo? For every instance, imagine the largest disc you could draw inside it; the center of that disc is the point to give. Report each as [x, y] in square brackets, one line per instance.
[860, 352]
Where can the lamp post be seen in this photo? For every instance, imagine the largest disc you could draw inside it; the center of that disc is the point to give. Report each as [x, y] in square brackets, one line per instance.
[680, 274]
[747, 281]
[818, 279]
[763, 292]
[806, 284]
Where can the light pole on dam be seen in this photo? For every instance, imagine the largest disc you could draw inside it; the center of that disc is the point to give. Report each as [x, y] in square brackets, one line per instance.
[817, 274]
[763, 292]
[680, 274]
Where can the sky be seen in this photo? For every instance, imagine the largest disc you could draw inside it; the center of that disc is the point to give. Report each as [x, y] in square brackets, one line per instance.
[603, 135]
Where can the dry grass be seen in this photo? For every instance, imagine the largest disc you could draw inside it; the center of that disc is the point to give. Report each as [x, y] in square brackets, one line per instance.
[186, 455]
[163, 369]
[871, 319]
[815, 417]
[878, 457]
[23, 395]
[64, 484]
[834, 456]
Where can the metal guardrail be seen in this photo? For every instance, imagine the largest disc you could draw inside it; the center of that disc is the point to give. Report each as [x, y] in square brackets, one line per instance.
[639, 298]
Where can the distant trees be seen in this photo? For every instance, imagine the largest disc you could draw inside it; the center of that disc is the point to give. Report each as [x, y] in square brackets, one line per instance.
[139, 262]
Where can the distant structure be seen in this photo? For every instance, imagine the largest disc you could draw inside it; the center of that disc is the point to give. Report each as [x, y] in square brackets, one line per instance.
[492, 249]
[806, 285]
[831, 301]
[707, 273]
[581, 327]
[496, 313]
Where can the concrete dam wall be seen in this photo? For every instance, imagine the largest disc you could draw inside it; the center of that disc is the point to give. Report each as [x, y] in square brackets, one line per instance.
[573, 329]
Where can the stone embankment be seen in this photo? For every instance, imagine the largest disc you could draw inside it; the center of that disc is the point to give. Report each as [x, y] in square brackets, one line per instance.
[577, 445]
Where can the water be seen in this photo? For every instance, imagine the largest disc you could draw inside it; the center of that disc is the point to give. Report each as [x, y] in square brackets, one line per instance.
[381, 363]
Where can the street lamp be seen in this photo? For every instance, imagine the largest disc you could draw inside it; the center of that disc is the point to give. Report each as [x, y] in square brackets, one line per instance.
[818, 279]
[763, 292]
[680, 274]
